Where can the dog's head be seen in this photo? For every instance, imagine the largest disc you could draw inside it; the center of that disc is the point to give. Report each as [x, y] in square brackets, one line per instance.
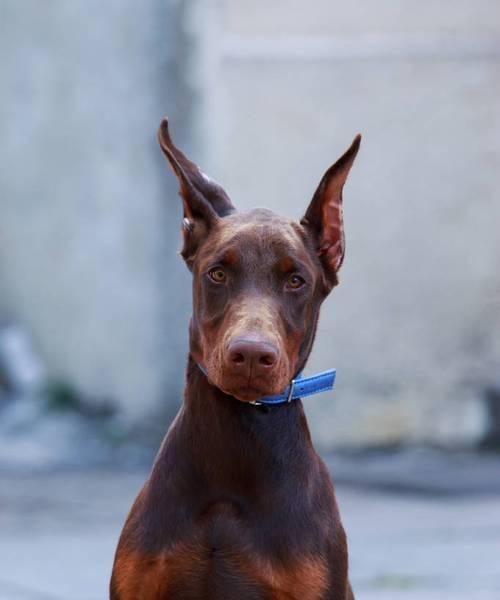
[258, 278]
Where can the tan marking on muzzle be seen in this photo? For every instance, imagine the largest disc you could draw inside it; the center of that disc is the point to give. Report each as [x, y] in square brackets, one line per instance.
[251, 318]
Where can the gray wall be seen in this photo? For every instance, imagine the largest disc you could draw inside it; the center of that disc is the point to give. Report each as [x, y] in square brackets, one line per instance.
[414, 327]
[264, 96]
[89, 215]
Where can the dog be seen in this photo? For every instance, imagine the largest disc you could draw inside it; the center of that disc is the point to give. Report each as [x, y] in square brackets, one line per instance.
[238, 504]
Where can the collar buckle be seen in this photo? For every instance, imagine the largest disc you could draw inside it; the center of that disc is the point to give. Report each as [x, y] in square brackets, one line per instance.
[290, 393]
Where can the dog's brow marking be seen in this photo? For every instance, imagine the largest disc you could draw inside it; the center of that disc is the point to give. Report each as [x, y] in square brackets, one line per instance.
[230, 257]
[286, 264]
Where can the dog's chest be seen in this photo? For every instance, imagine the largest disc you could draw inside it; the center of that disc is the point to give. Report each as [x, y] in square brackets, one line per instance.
[221, 558]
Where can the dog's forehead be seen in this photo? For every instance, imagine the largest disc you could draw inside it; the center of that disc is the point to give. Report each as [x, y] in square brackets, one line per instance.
[258, 231]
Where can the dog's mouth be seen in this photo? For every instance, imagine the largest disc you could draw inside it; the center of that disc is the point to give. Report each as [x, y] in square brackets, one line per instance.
[251, 390]
[248, 394]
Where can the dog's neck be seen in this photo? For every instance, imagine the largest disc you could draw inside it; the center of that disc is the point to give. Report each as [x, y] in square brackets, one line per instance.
[226, 438]
[224, 455]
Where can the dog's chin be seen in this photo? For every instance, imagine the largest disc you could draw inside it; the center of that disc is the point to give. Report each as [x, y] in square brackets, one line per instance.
[251, 392]
[247, 394]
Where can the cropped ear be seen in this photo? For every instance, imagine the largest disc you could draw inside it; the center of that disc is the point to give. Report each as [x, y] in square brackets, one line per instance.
[324, 218]
[204, 201]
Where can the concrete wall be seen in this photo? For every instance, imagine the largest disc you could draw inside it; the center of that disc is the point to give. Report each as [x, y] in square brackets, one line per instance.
[414, 327]
[264, 96]
[89, 213]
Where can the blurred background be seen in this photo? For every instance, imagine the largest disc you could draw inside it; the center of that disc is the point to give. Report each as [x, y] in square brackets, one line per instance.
[95, 301]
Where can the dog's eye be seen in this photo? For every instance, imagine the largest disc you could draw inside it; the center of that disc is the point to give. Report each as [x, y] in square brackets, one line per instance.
[295, 282]
[217, 275]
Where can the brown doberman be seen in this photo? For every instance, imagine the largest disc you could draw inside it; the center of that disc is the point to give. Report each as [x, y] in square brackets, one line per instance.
[238, 505]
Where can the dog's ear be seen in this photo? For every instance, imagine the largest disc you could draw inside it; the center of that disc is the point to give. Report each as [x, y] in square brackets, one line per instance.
[204, 201]
[324, 219]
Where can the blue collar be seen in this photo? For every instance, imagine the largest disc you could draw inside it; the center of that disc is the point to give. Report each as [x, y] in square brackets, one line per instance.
[300, 387]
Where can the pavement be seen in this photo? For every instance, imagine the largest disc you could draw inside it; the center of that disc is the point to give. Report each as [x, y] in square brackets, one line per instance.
[58, 531]
[419, 470]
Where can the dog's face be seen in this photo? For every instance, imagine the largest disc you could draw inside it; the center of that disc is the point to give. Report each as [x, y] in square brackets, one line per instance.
[258, 279]
[257, 290]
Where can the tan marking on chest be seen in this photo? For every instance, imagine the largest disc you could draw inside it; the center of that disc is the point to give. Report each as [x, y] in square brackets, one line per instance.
[306, 580]
[139, 576]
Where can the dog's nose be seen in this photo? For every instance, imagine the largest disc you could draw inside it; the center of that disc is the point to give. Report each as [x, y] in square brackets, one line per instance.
[254, 356]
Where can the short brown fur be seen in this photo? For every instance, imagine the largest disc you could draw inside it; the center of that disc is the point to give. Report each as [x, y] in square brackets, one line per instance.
[238, 504]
